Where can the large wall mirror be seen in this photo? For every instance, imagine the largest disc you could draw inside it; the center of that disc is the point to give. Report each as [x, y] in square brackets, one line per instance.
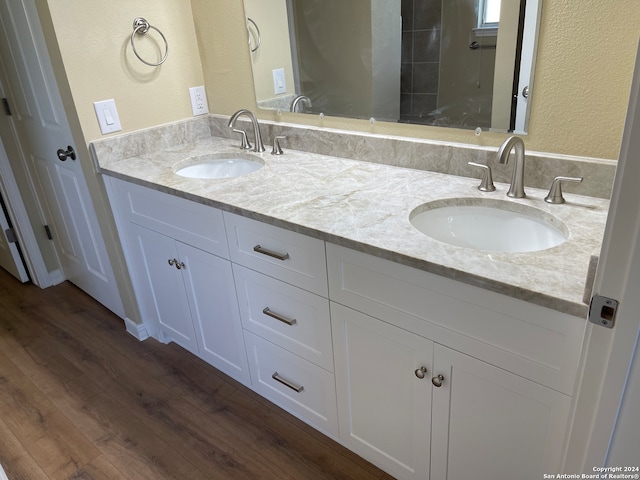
[449, 63]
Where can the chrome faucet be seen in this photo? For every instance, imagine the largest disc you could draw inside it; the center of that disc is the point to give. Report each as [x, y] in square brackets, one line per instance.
[298, 99]
[259, 146]
[516, 190]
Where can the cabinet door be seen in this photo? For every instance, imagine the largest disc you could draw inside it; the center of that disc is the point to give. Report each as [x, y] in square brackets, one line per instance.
[159, 286]
[489, 424]
[214, 308]
[384, 409]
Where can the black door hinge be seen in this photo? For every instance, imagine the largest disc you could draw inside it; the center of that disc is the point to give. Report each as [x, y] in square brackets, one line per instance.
[10, 233]
[7, 109]
[48, 230]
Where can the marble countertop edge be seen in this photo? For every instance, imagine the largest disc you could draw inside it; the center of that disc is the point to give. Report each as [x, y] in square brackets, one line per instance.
[503, 288]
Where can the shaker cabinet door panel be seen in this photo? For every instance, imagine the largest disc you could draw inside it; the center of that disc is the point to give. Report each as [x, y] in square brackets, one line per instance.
[489, 424]
[212, 298]
[384, 408]
[160, 287]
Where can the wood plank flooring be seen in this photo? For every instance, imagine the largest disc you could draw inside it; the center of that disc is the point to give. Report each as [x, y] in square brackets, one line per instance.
[81, 399]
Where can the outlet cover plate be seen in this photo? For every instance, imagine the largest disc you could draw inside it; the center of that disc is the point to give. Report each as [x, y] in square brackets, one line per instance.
[199, 104]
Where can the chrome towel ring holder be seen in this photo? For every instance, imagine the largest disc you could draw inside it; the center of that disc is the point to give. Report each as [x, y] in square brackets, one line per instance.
[142, 27]
[257, 35]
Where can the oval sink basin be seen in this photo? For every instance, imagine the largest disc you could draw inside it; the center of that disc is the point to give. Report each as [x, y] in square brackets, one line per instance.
[218, 165]
[490, 225]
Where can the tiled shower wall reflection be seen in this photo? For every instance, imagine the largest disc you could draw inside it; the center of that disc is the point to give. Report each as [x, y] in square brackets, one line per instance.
[421, 27]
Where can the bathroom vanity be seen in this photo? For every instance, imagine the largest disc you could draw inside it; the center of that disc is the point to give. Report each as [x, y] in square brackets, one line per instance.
[306, 281]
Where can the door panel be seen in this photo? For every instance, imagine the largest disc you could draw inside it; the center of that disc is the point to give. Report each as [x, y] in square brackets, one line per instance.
[490, 424]
[44, 181]
[73, 195]
[384, 408]
[162, 292]
[212, 298]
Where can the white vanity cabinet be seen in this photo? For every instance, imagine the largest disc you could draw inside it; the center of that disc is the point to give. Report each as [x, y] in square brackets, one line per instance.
[419, 409]
[281, 283]
[425, 376]
[176, 250]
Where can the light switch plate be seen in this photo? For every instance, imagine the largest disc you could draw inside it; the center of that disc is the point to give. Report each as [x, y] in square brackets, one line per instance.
[107, 115]
[198, 100]
[279, 83]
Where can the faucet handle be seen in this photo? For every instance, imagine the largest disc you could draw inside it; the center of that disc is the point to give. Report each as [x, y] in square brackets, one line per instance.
[245, 142]
[555, 192]
[486, 184]
[277, 149]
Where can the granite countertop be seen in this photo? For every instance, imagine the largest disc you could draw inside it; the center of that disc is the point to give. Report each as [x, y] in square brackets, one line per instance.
[366, 206]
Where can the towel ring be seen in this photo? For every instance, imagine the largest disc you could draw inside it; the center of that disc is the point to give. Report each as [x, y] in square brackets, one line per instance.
[258, 36]
[142, 27]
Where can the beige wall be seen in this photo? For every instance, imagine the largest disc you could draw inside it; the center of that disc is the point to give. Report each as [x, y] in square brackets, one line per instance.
[93, 39]
[583, 76]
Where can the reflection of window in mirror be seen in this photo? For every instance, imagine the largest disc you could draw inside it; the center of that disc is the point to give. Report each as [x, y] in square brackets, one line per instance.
[490, 16]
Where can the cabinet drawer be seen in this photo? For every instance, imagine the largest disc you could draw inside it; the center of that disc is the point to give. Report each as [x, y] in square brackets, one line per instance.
[303, 389]
[288, 256]
[537, 343]
[292, 318]
[189, 222]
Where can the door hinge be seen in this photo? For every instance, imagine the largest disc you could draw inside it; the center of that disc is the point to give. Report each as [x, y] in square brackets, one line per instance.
[10, 233]
[602, 311]
[48, 230]
[7, 109]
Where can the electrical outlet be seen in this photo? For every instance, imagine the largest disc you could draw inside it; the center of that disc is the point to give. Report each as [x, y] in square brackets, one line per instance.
[198, 100]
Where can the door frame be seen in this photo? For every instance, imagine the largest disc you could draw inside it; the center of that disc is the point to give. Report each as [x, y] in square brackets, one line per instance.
[607, 353]
[20, 269]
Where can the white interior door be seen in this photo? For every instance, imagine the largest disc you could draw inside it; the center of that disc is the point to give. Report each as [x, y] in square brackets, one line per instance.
[43, 128]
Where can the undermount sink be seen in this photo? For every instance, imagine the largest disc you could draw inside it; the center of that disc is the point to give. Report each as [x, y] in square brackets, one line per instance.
[218, 165]
[491, 225]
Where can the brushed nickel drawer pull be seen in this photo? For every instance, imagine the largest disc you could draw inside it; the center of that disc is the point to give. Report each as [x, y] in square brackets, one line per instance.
[277, 316]
[287, 383]
[264, 251]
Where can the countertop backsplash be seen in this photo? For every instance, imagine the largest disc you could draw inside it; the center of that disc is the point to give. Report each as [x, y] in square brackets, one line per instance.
[434, 156]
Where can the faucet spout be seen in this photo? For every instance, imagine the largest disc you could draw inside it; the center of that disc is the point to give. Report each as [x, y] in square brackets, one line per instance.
[516, 189]
[259, 145]
[300, 98]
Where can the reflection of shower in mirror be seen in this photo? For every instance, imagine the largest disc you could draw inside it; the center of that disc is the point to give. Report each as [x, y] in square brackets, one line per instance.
[444, 63]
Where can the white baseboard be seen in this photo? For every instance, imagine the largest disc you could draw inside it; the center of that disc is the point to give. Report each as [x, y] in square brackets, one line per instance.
[137, 330]
[3, 476]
